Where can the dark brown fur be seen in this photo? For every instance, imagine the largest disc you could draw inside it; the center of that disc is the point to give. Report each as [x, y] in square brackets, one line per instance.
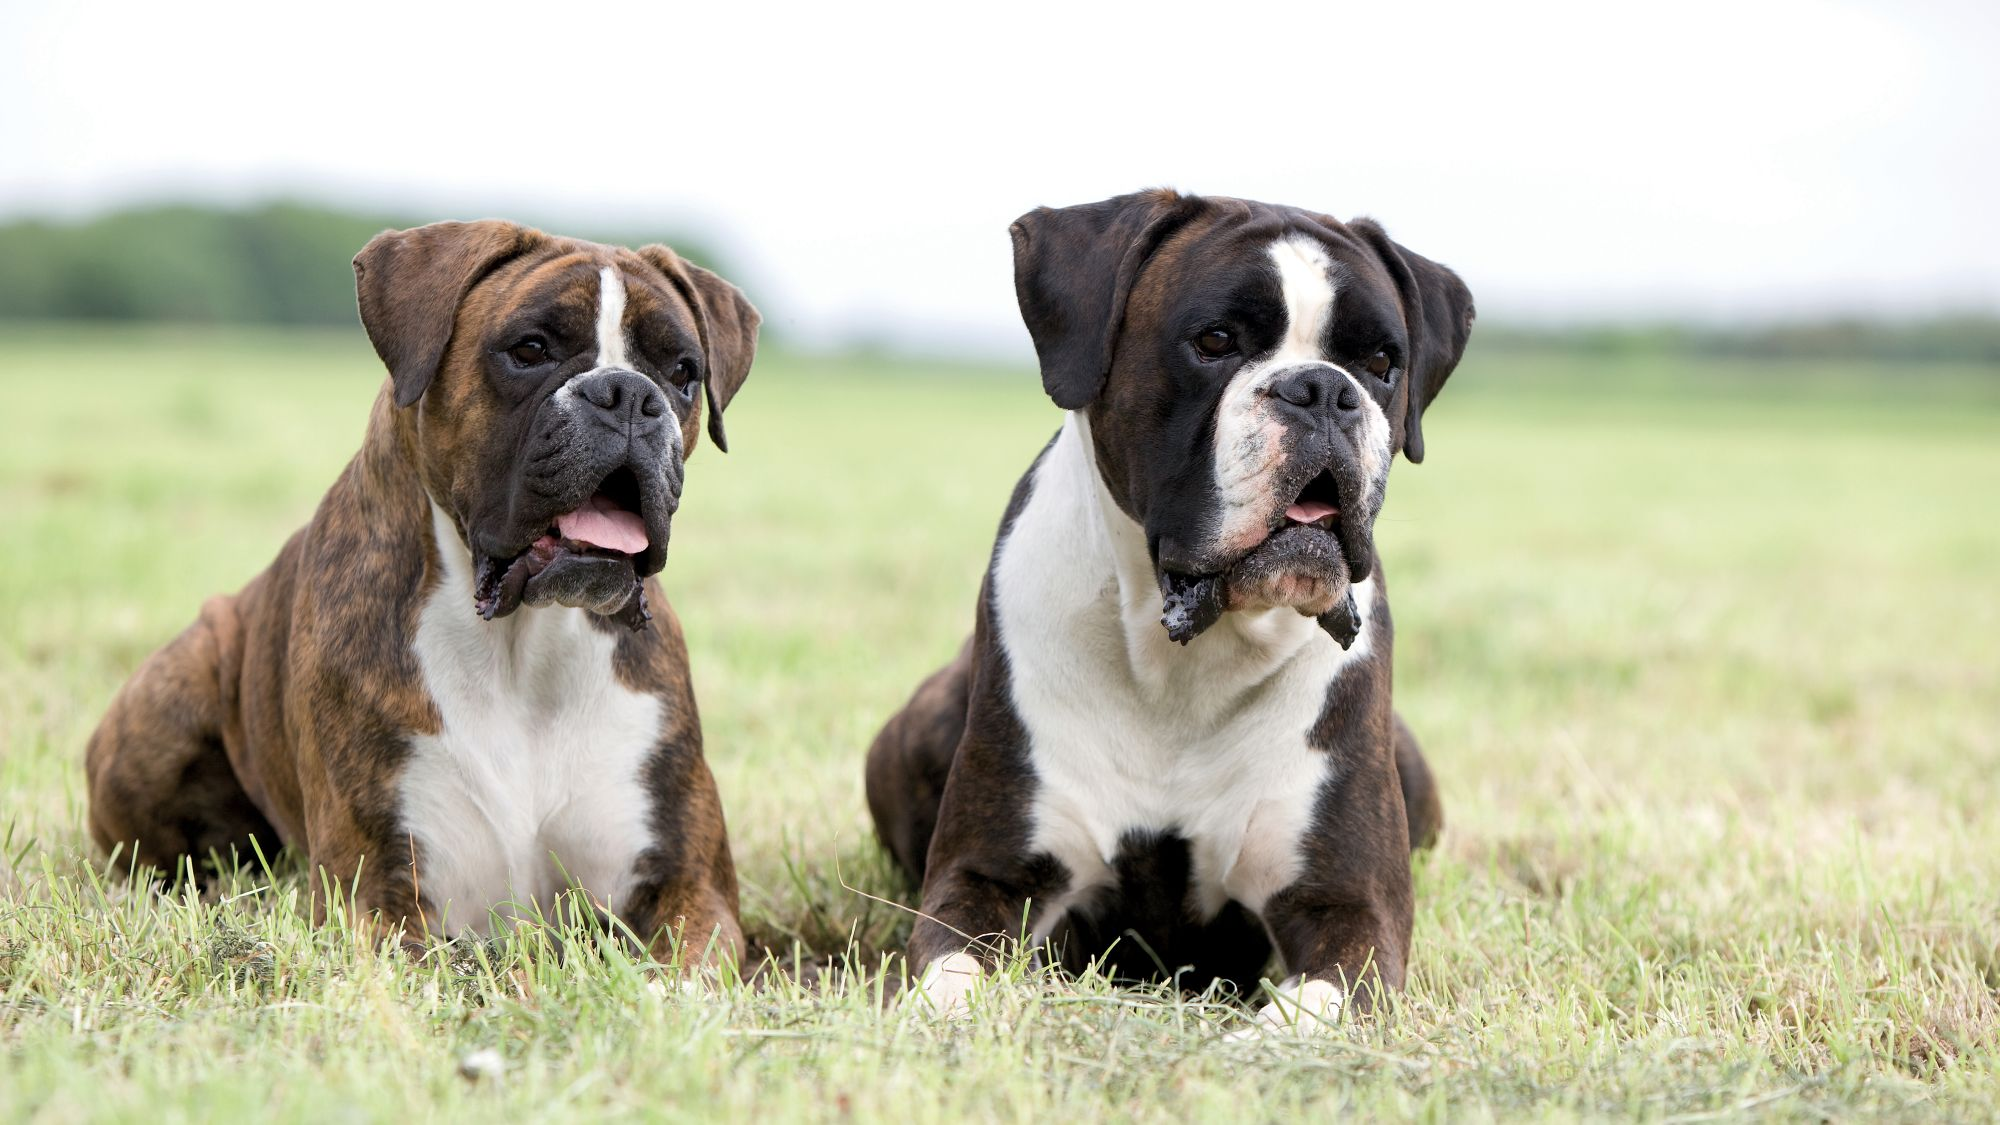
[949, 777]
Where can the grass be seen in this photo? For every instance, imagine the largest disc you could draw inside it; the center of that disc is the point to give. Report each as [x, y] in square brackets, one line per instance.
[1704, 655]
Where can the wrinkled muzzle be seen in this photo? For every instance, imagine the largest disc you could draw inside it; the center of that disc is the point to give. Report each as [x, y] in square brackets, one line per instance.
[1295, 528]
[590, 505]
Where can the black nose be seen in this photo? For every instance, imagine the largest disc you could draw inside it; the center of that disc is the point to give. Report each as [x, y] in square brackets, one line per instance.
[1316, 389]
[626, 399]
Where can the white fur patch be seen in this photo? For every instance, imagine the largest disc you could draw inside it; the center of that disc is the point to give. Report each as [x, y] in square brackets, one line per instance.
[611, 351]
[1304, 275]
[947, 985]
[533, 783]
[1128, 731]
[1297, 1008]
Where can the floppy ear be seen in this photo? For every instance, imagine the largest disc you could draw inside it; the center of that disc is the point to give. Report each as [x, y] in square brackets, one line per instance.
[1073, 270]
[727, 323]
[409, 284]
[1439, 310]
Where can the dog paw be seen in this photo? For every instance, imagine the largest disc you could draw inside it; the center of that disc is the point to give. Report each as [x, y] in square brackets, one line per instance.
[946, 987]
[1296, 1008]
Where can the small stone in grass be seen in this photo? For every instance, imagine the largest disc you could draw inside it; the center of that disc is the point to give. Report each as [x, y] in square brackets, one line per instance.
[483, 1065]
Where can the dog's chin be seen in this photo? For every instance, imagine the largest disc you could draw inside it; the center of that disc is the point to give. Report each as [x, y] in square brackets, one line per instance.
[601, 584]
[556, 571]
[1299, 567]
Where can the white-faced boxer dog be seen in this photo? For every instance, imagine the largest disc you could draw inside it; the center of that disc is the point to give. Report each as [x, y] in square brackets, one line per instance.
[458, 690]
[1169, 742]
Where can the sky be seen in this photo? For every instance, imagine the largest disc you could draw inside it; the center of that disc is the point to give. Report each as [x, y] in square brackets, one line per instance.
[858, 165]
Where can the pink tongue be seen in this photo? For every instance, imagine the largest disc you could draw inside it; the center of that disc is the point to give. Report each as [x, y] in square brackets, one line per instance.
[601, 523]
[1306, 511]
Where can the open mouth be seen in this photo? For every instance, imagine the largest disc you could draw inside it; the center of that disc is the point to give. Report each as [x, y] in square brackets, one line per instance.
[1318, 504]
[607, 523]
[587, 558]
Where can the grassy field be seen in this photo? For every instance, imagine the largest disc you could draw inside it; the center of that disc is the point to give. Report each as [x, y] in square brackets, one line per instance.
[1704, 654]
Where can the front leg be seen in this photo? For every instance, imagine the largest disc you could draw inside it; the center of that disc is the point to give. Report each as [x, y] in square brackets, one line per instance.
[981, 871]
[981, 875]
[685, 902]
[973, 912]
[1343, 928]
[375, 890]
[693, 924]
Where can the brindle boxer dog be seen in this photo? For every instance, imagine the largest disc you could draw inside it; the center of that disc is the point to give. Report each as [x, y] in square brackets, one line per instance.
[459, 690]
[1169, 742]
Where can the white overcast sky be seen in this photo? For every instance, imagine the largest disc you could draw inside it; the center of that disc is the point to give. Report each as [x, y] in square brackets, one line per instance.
[860, 163]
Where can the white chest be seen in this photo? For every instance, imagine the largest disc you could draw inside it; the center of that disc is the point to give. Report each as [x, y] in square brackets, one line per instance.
[533, 782]
[1130, 733]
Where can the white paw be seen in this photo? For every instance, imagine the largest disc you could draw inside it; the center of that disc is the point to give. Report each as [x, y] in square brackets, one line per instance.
[947, 985]
[1309, 1008]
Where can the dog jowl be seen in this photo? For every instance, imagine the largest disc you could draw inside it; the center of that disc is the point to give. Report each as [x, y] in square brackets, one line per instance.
[1169, 743]
[458, 690]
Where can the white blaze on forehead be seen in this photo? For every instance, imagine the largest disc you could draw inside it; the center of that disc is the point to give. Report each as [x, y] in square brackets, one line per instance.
[1248, 439]
[1305, 277]
[612, 352]
[610, 318]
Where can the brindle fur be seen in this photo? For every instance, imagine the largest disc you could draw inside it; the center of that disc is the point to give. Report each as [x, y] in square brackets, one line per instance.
[284, 713]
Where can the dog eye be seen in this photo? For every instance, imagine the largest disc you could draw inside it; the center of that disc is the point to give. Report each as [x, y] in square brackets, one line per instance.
[1379, 364]
[684, 377]
[1215, 343]
[529, 352]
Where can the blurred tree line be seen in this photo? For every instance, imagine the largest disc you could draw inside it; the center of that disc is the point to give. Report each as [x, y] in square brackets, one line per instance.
[275, 263]
[287, 263]
[1958, 338]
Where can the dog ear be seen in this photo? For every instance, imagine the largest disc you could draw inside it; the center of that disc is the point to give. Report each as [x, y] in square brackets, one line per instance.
[409, 284]
[1073, 271]
[727, 323]
[1438, 308]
